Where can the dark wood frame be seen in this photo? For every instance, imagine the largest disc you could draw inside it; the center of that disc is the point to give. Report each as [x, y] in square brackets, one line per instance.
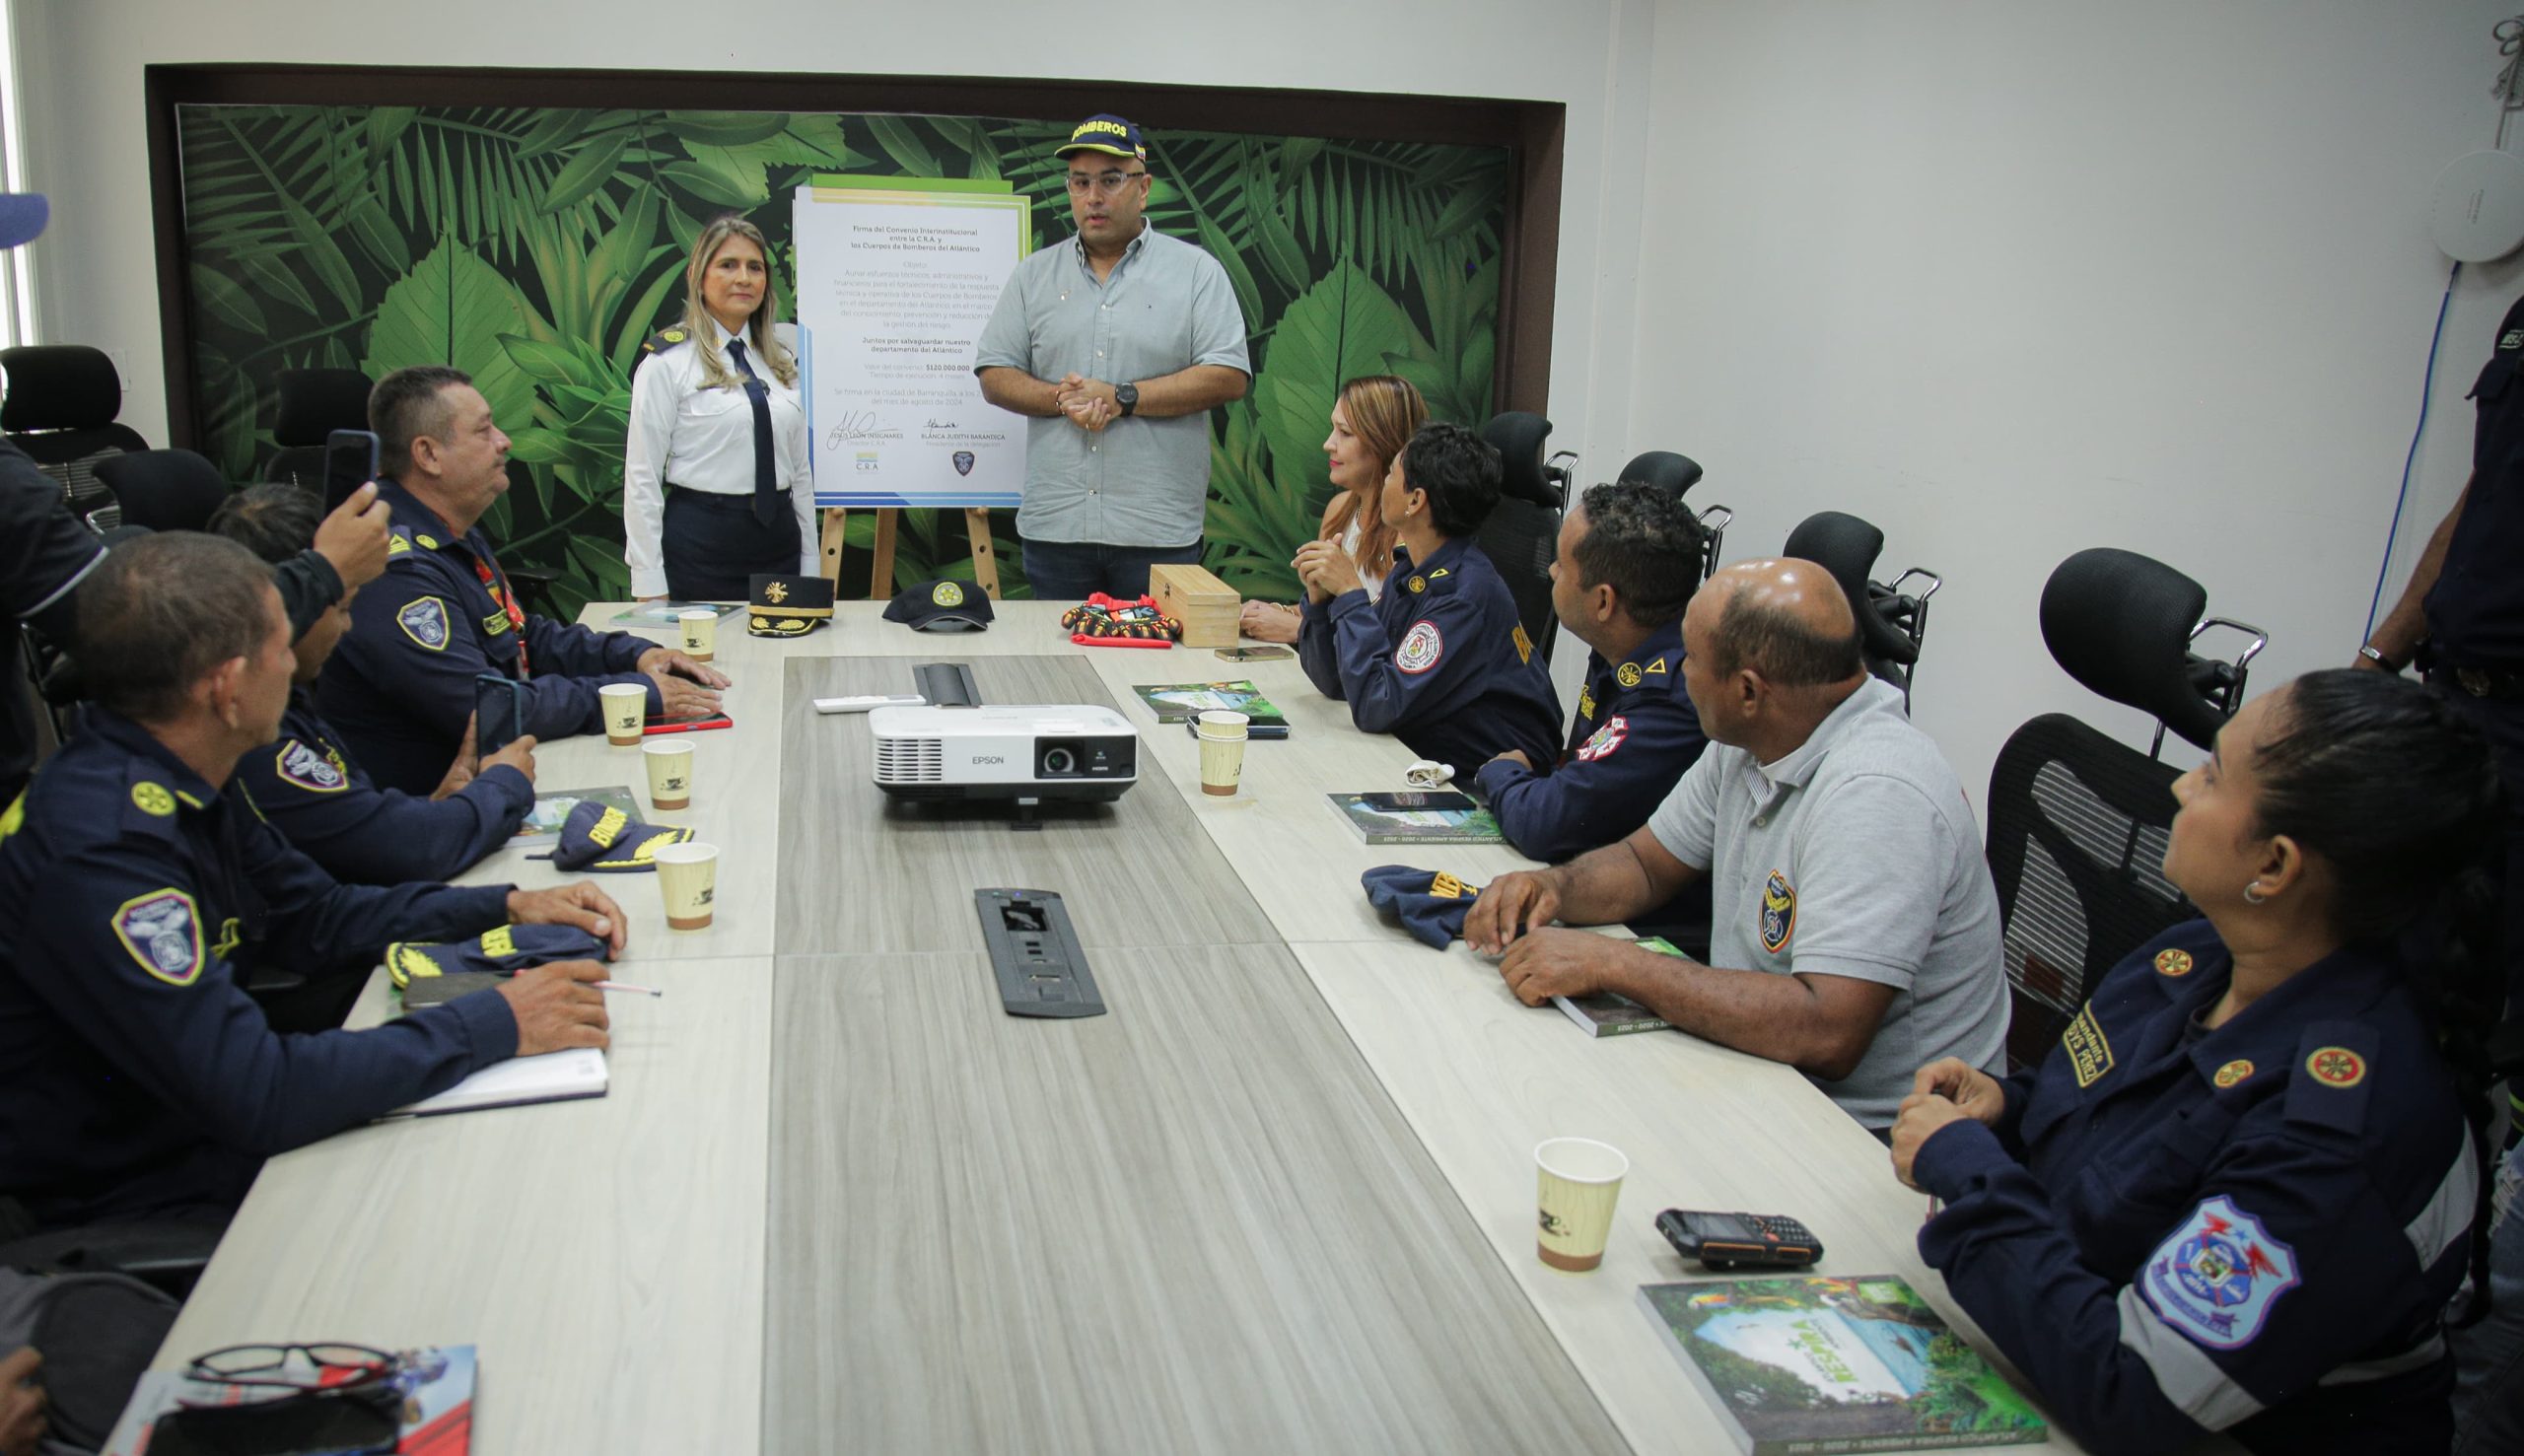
[1531, 131]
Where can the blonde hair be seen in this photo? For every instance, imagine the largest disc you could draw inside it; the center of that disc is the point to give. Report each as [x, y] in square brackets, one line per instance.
[760, 337]
[1384, 413]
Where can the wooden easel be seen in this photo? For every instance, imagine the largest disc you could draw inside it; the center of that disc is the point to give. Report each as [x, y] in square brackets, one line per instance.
[880, 578]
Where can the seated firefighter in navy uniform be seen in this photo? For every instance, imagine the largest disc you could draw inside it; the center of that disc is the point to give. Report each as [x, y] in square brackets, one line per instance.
[137, 897]
[401, 684]
[1439, 661]
[1629, 558]
[310, 785]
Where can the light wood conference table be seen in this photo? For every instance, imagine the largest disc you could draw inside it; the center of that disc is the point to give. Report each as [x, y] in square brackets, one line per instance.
[1281, 1196]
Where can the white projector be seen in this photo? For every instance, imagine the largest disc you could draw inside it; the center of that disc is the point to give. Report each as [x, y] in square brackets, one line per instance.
[1023, 752]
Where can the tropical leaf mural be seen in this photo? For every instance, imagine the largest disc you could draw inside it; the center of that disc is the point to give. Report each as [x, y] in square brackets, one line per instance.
[535, 247]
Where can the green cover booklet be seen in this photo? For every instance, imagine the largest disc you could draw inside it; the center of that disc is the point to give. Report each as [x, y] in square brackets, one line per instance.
[1180, 702]
[1814, 1364]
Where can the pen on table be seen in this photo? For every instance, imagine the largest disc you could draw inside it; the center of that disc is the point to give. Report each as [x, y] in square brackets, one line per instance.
[625, 986]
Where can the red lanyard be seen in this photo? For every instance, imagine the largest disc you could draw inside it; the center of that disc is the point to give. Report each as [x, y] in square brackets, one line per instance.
[505, 600]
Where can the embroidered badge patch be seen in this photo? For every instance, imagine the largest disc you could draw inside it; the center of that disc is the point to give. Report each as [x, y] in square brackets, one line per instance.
[163, 933]
[2513, 338]
[425, 622]
[2173, 962]
[428, 541]
[1605, 739]
[496, 623]
[397, 543]
[1445, 887]
[318, 773]
[1779, 912]
[2217, 1276]
[152, 798]
[1657, 669]
[2336, 1067]
[1418, 584]
[776, 593]
[2089, 1055]
[1525, 643]
[2232, 1073]
[501, 942]
[1420, 648]
[947, 594]
[1629, 675]
[1586, 701]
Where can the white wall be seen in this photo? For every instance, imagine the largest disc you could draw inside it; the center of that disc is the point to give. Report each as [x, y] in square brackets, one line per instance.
[2009, 277]
[2012, 278]
[82, 60]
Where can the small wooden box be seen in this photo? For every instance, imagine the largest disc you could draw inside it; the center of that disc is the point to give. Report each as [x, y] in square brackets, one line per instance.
[1207, 607]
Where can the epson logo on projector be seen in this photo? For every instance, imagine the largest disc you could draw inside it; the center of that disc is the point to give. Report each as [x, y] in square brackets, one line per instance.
[988, 758]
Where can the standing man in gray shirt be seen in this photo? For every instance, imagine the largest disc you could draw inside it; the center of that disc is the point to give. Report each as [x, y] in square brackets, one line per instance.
[1856, 931]
[1116, 344]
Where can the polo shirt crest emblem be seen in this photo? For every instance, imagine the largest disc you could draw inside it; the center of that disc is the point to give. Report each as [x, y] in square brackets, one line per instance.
[2173, 962]
[1779, 912]
[425, 622]
[162, 932]
[1420, 649]
[2232, 1073]
[1629, 675]
[319, 772]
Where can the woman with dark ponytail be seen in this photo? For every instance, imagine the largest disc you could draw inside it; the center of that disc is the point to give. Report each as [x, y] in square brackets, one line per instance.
[2242, 1193]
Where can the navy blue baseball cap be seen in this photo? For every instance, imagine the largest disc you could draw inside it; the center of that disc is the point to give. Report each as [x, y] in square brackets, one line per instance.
[502, 952]
[1428, 903]
[22, 216]
[943, 605]
[602, 839]
[1105, 133]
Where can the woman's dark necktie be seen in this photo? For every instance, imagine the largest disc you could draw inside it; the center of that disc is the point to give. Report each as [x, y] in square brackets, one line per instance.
[767, 476]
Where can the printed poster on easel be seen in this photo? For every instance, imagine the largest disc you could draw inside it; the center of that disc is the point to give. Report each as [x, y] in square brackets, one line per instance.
[895, 278]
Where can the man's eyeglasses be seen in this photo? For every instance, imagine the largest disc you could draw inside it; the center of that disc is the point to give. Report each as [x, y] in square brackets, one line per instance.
[326, 1366]
[1108, 184]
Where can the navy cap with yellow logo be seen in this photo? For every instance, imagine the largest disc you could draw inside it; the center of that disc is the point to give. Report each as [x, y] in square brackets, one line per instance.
[1428, 903]
[427, 972]
[943, 605]
[1105, 133]
[602, 839]
[787, 606]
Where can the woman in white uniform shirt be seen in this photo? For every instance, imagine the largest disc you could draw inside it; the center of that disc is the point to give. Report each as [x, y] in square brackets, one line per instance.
[1372, 419]
[715, 483]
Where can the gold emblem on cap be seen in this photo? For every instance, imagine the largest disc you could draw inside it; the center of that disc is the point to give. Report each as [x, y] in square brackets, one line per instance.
[777, 591]
[2173, 962]
[2336, 1067]
[1629, 675]
[1418, 584]
[2232, 1073]
[947, 594]
[152, 798]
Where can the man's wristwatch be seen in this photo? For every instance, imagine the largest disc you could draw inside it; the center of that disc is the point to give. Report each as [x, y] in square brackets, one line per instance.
[1127, 397]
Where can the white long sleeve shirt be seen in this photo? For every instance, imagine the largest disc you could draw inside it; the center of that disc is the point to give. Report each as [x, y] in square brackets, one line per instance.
[702, 440]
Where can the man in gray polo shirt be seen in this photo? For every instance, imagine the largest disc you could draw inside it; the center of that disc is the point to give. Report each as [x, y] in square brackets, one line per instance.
[1855, 918]
[1117, 344]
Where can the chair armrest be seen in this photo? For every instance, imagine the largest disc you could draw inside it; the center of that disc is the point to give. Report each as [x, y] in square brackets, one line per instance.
[168, 1253]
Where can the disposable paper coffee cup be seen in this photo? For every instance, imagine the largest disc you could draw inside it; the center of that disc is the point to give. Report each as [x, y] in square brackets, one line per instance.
[700, 634]
[1580, 1181]
[626, 709]
[1223, 734]
[670, 773]
[689, 876]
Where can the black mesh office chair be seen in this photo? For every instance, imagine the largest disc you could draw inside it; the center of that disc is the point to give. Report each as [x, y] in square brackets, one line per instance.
[1892, 620]
[314, 403]
[163, 488]
[60, 410]
[2078, 820]
[1676, 474]
[1523, 533]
